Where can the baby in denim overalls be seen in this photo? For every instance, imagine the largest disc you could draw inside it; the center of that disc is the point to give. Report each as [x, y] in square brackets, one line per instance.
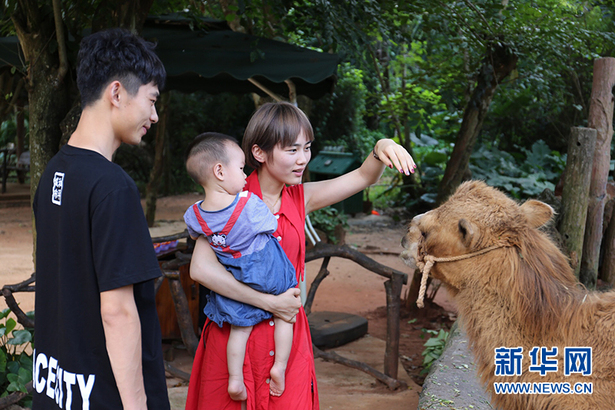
[239, 228]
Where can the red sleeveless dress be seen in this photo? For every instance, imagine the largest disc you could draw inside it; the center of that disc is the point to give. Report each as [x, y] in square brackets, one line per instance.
[209, 378]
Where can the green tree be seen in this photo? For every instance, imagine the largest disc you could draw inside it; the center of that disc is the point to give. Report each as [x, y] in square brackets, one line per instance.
[489, 39]
[50, 54]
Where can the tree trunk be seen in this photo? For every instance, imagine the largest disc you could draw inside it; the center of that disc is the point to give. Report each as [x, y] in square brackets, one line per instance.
[607, 272]
[151, 191]
[600, 118]
[47, 93]
[575, 196]
[48, 87]
[499, 63]
[20, 131]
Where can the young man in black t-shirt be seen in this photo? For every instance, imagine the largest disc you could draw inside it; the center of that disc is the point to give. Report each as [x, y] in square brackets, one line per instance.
[97, 335]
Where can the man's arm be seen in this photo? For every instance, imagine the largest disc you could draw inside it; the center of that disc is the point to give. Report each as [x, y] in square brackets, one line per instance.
[123, 336]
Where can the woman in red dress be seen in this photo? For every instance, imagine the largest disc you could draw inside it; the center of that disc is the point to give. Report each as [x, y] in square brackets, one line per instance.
[277, 145]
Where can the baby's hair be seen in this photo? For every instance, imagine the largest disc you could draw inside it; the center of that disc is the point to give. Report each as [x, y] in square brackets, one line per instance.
[210, 147]
[277, 123]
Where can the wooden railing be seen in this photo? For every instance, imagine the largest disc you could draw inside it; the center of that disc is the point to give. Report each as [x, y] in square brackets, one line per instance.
[171, 271]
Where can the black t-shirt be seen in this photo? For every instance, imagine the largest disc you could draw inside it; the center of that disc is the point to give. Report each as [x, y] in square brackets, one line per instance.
[91, 237]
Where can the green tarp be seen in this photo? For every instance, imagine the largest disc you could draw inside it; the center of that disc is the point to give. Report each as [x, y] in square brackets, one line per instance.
[220, 60]
[223, 60]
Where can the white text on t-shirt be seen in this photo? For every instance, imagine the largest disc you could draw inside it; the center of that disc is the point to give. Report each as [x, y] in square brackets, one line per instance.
[59, 383]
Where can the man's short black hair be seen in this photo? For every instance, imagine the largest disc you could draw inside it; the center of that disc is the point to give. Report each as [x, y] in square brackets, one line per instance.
[116, 54]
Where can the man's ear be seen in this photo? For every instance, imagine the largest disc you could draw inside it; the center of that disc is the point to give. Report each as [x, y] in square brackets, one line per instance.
[219, 171]
[258, 154]
[114, 92]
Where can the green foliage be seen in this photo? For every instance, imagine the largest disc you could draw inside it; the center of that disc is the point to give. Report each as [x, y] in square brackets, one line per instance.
[434, 346]
[386, 193]
[411, 97]
[15, 362]
[193, 114]
[338, 118]
[326, 219]
[408, 70]
[432, 156]
[548, 92]
[8, 130]
[524, 174]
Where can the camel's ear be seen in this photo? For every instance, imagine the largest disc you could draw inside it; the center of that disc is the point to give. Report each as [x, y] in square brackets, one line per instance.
[467, 230]
[537, 213]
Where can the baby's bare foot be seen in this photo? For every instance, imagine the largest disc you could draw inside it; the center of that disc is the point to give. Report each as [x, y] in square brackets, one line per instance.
[236, 389]
[277, 373]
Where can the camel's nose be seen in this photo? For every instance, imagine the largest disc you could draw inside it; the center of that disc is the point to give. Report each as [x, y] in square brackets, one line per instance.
[404, 242]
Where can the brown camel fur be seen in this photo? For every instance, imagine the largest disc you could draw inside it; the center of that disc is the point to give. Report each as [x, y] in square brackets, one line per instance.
[523, 293]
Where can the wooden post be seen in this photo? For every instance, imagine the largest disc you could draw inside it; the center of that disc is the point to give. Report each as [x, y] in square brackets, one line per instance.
[608, 260]
[151, 191]
[413, 290]
[322, 274]
[575, 196]
[391, 354]
[393, 288]
[184, 318]
[601, 119]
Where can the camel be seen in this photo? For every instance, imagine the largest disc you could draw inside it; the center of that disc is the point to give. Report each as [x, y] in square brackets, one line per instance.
[530, 324]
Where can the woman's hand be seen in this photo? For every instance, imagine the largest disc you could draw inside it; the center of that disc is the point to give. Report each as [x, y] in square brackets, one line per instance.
[386, 152]
[207, 270]
[286, 305]
[394, 155]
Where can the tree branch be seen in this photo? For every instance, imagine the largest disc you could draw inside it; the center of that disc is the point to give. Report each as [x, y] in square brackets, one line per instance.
[57, 17]
[14, 306]
[14, 397]
[322, 250]
[473, 7]
[334, 357]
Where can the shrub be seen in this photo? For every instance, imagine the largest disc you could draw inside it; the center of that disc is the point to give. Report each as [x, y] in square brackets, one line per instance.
[326, 219]
[522, 175]
[15, 362]
[434, 346]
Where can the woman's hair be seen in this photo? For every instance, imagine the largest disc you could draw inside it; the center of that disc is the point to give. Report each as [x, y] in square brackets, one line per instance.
[273, 124]
[205, 150]
[116, 54]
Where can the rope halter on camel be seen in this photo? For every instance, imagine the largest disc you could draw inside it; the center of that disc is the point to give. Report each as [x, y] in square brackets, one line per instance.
[427, 261]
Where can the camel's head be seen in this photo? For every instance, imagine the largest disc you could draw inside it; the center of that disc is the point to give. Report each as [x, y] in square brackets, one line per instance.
[475, 217]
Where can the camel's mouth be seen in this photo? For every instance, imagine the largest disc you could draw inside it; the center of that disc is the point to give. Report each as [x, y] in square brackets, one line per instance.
[411, 243]
[409, 259]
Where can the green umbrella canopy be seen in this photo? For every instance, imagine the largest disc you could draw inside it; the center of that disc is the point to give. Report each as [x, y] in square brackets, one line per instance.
[215, 59]
[218, 59]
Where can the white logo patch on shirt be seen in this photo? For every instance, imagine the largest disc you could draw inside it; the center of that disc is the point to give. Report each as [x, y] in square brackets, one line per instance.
[218, 239]
[58, 186]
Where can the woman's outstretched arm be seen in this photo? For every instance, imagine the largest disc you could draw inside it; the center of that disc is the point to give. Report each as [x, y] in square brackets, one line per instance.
[209, 272]
[323, 193]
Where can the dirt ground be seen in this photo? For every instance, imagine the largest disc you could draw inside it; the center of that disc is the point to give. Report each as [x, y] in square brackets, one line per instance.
[349, 288]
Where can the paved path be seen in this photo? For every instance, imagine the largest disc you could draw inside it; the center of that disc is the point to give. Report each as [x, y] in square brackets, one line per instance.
[452, 382]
